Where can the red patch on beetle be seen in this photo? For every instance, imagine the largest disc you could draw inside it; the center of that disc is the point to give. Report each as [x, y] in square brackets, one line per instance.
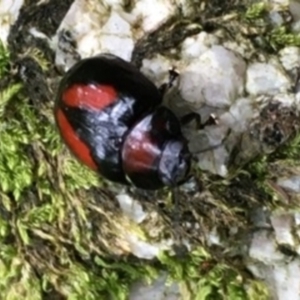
[80, 150]
[139, 153]
[93, 96]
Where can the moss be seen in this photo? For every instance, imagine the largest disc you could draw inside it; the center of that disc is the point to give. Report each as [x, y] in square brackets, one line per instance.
[289, 151]
[265, 170]
[202, 277]
[282, 36]
[4, 59]
[267, 35]
[256, 10]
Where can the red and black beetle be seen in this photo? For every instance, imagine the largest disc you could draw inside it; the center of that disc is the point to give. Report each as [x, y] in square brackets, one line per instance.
[109, 115]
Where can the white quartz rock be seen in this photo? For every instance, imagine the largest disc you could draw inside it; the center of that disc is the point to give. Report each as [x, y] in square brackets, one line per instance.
[212, 83]
[208, 148]
[113, 3]
[266, 78]
[116, 37]
[215, 79]
[279, 272]
[297, 218]
[281, 278]
[151, 13]
[239, 115]
[279, 4]
[196, 45]
[290, 57]
[145, 250]
[291, 184]
[214, 161]
[276, 18]
[297, 227]
[9, 12]
[237, 120]
[275, 8]
[96, 28]
[263, 248]
[83, 21]
[131, 208]
[156, 69]
[294, 7]
[160, 289]
[84, 17]
[283, 227]
[213, 238]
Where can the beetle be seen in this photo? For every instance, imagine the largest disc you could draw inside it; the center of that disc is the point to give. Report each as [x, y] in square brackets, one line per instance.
[111, 118]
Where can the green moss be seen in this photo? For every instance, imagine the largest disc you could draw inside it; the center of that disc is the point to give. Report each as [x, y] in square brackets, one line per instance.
[202, 277]
[17, 278]
[276, 37]
[289, 151]
[265, 170]
[256, 10]
[281, 36]
[4, 59]
[257, 291]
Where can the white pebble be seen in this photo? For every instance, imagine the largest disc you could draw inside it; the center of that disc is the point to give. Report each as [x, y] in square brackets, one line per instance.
[9, 12]
[156, 69]
[294, 7]
[283, 227]
[215, 79]
[239, 115]
[194, 46]
[290, 57]
[131, 208]
[116, 37]
[291, 184]
[144, 249]
[264, 78]
[152, 13]
[113, 3]
[97, 29]
[264, 249]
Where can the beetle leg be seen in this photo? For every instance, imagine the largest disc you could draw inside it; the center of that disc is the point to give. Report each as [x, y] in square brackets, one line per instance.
[173, 74]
